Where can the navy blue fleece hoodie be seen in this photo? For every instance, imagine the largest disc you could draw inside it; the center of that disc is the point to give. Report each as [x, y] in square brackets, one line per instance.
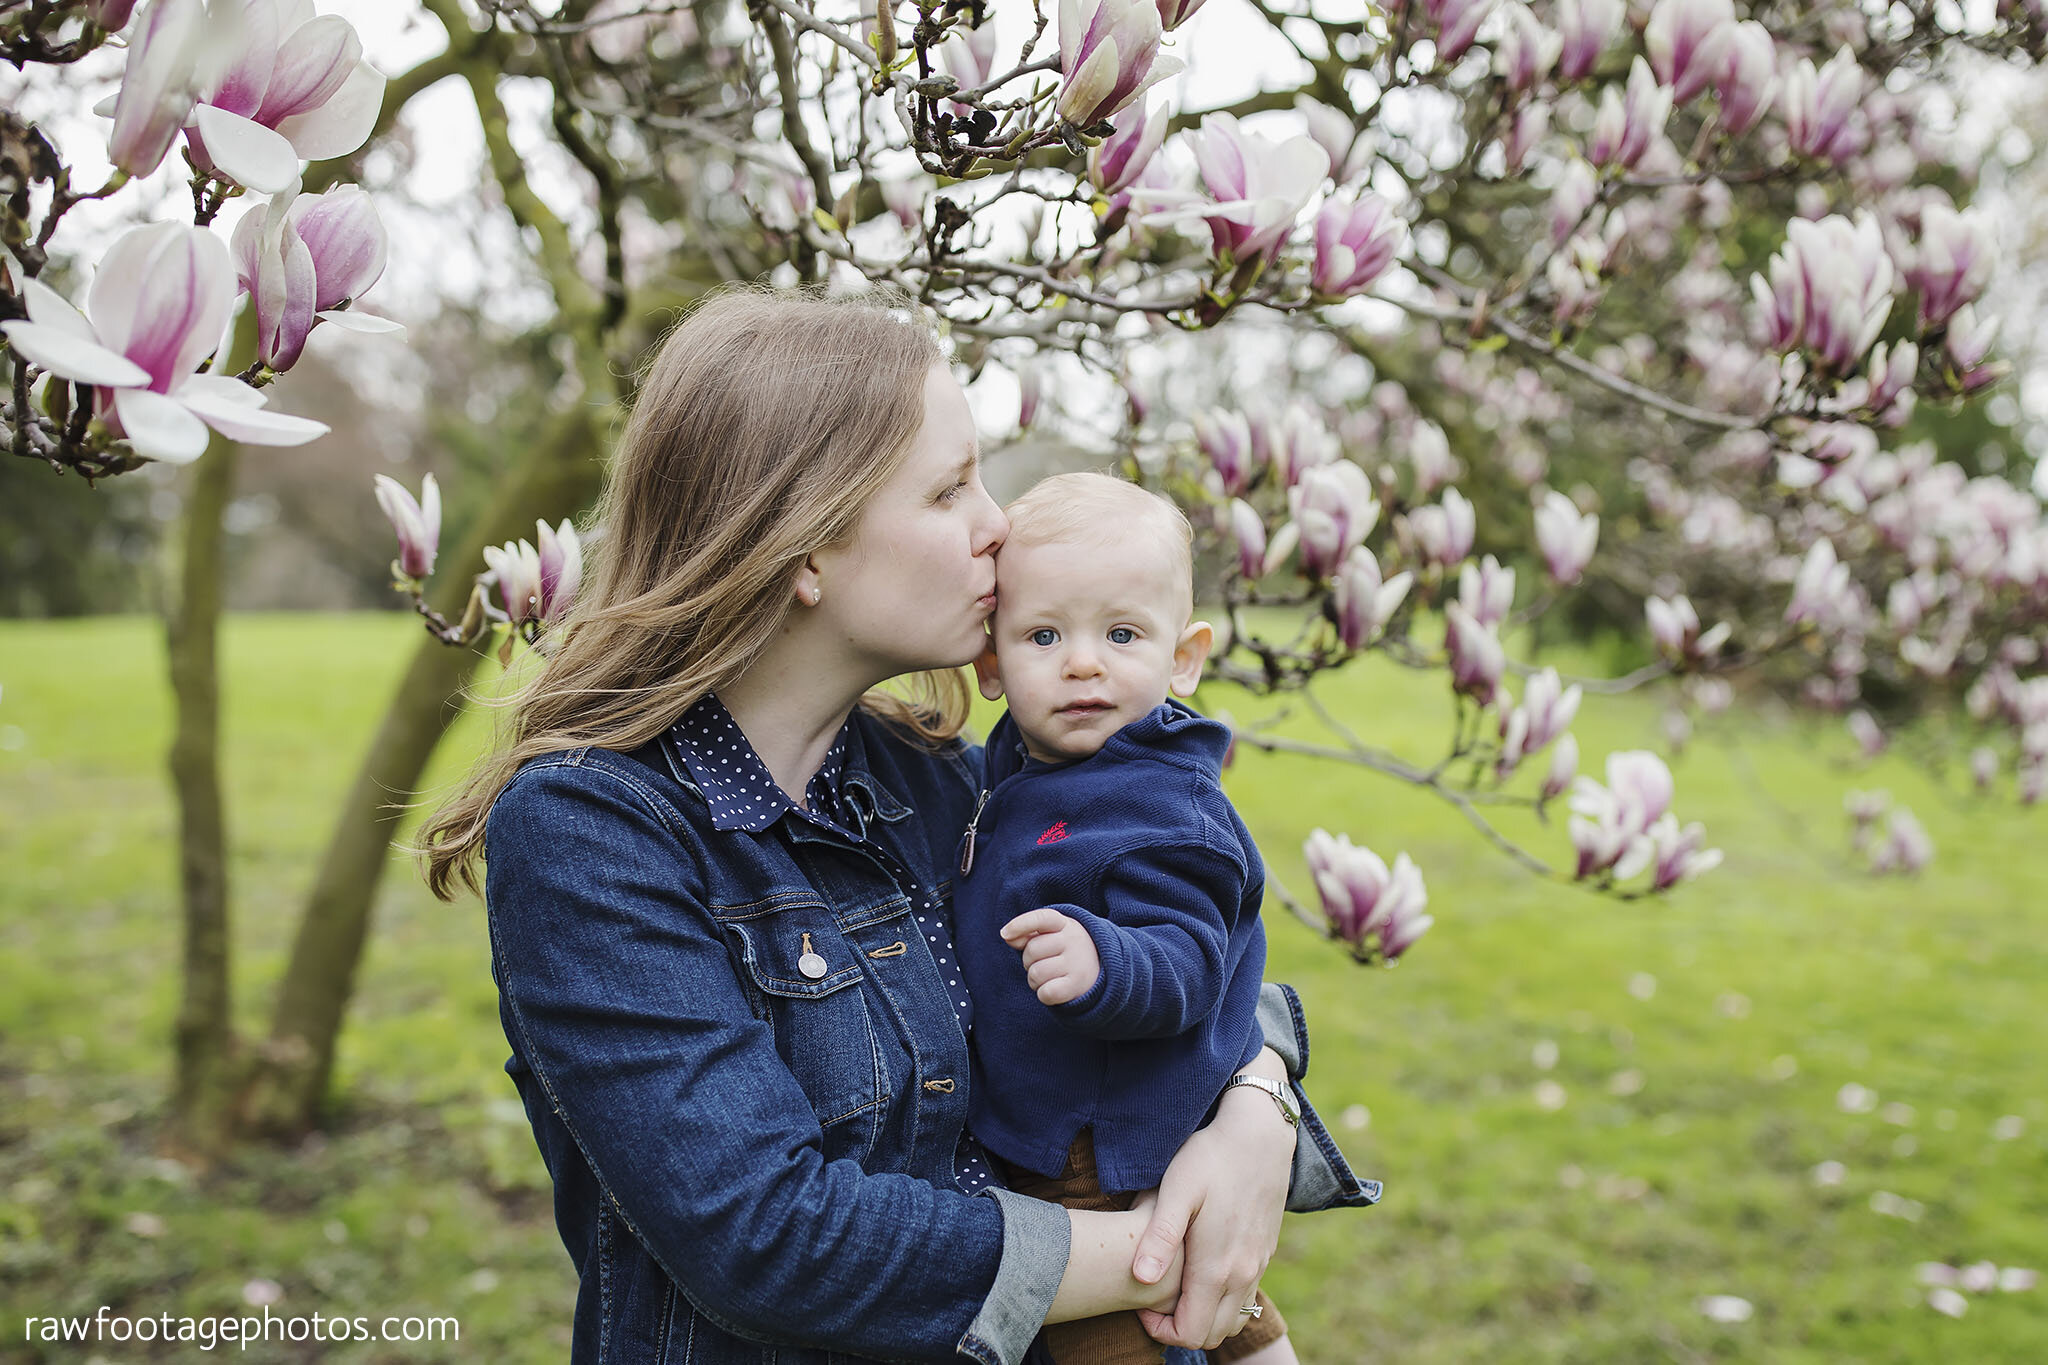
[1139, 844]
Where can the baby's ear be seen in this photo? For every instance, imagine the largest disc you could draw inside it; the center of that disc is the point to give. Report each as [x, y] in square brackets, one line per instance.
[1189, 655]
[986, 671]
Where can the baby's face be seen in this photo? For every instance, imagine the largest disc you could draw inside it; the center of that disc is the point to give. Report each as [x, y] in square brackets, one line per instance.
[1085, 636]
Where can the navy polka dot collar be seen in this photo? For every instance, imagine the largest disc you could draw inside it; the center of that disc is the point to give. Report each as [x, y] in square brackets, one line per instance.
[736, 783]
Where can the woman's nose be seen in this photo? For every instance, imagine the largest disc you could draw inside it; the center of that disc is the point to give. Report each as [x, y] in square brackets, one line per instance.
[993, 528]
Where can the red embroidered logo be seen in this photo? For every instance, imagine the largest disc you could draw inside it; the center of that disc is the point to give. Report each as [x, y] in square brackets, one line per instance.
[1055, 834]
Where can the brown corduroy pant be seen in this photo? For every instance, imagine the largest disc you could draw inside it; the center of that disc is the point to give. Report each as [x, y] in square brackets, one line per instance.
[1118, 1338]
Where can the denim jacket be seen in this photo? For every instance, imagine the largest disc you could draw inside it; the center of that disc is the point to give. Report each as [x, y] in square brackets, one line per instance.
[746, 1077]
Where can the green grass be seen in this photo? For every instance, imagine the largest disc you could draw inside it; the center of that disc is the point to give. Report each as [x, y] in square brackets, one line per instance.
[1510, 1232]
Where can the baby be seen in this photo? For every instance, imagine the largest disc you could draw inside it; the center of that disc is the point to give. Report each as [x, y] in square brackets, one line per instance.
[1105, 854]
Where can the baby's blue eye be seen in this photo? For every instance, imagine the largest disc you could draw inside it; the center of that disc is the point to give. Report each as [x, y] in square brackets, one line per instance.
[1044, 635]
[1121, 635]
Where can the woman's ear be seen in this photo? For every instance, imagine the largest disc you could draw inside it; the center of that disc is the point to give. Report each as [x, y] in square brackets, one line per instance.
[986, 672]
[806, 585]
[1189, 655]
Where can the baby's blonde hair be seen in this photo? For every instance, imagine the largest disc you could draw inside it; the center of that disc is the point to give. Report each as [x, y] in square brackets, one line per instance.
[1099, 508]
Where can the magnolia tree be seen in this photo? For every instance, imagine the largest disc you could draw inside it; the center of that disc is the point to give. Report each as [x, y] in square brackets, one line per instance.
[1686, 265]
[1480, 322]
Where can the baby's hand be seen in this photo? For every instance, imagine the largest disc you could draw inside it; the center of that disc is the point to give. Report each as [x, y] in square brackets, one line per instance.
[1060, 961]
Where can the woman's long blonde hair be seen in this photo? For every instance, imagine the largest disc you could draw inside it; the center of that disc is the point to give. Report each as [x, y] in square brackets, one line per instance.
[766, 421]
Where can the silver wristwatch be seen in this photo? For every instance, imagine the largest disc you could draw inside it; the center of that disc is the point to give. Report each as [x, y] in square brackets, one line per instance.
[1280, 1093]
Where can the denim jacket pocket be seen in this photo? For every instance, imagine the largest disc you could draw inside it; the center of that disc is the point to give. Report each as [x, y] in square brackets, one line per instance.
[806, 979]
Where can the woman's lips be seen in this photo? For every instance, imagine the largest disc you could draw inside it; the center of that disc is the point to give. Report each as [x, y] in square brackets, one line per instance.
[987, 601]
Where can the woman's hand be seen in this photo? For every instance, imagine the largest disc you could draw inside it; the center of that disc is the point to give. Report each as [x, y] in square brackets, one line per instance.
[1220, 1203]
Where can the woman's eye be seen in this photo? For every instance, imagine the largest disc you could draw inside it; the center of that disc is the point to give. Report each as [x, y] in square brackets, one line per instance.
[953, 493]
[1044, 636]
[1122, 635]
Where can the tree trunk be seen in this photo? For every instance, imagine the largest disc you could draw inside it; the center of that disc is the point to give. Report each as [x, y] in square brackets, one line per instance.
[203, 1080]
[290, 1076]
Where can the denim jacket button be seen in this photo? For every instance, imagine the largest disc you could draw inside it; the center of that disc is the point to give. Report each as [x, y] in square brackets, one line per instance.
[811, 965]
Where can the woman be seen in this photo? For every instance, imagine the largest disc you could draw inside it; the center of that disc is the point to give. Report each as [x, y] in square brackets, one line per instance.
[717, 869]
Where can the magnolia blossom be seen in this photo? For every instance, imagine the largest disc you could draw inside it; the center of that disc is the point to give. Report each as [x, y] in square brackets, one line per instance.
[1376, 909]
[158, 305]
[1334, 509]
[1531, 122]
[1550, 707]
[1829, 291]
[111, 15]
[1476, 657]
[1585, 27]
[1951, 263]
[537, 585]
[1748, 80]
[1363, 603]
[1226, 438]
[176, 52]
[1627, 122]
[1257, 187]
[1819, 106]
[302, 260]
[1249, 530]
[1109, 50]
[1968, 345]
[1821, 587]
[418, 523]
[1610, 825]
[1565, 537]
[1676, 854]
[561, 569]
[1905, 847]
[1442, 534]
[1174, 13]
[1116, 163]
[515, 569]
[1030, 393]
[1457, 23]
[1688, 42]
[1334, 133]
[296, 90]
[1864, 729]
[1292, 443]
[1564, 766]
[1356, 241]
[1526, 52]
[1574, 194]
[1675, 627]
[1487, 591]
[969, 54]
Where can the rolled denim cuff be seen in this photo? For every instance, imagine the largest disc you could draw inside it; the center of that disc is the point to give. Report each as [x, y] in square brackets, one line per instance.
[1280, 1021]
[1037, 1239]
[1322, 1178]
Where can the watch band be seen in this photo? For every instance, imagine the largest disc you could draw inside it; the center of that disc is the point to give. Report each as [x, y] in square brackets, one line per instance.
[1281, 1099]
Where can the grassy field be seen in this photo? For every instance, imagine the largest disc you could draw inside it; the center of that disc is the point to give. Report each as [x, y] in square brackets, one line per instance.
[1697, 1049]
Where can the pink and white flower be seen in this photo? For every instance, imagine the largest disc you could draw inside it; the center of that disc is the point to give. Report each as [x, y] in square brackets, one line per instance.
[1487, 591]
[1109, 50]
[1586, 27]
[303, 260]
[1442, 533]
[175, 54]
[417, 523]
[1356, 240]
[1951, 263]
[1565, 537]
[1226, 438]
[158, 305]
[1334, 509]
[1476, 658]
[1820, 106]
[1688, 42]
[297, 90]
[1628, 121]
[1248, 528]
[1364, 604]
[1257, 187]
[1118, 160]
[1376, 909]
[1749, 77]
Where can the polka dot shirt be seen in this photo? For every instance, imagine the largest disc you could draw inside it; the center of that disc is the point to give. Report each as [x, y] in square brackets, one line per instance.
[743, 794]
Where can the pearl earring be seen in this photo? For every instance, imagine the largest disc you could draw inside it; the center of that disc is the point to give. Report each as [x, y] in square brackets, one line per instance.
[817, 596]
